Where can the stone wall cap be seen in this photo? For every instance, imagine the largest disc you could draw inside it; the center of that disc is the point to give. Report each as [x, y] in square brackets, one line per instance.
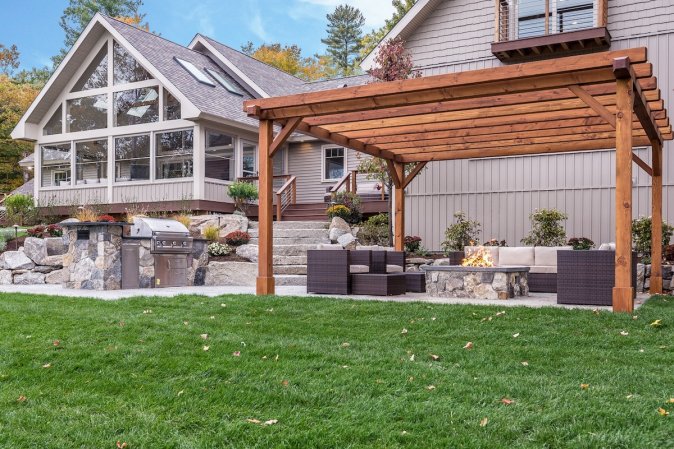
[93, 223]
[461, 268]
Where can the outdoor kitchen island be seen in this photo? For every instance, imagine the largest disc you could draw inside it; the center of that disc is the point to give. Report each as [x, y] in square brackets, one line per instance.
[457, 281]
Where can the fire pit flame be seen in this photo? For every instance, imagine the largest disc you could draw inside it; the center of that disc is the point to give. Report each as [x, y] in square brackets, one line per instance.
[479, 258]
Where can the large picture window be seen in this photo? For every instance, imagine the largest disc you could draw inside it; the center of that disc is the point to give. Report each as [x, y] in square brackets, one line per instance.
[220, 159]
[174, 157]
[87, 113]
[171, 106]
[125, 68]
[136, 106]
[96, 74]
[249, 159]
[132, 158]
[334, 163]
[91, 162]
[55, 164]
[55, 123]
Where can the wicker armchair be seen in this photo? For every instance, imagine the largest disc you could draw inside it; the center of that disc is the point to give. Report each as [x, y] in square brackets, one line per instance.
[329, 271]
[588, 277]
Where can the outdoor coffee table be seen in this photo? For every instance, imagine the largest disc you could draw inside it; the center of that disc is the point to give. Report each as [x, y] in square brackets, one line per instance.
[415, 281]
[378, 284]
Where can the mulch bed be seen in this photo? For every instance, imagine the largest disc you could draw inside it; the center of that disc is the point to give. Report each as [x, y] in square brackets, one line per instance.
[15, 244]
[230, 258]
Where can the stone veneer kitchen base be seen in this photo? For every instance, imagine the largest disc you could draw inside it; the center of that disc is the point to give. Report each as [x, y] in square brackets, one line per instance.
[455, 281]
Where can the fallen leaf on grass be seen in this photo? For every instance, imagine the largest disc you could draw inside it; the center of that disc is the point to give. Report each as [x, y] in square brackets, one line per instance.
[404, 331]
[500, 313]
[46, 365]
[254, 421]
[285, 383]
[412, 358]
[584, 386]
[629, 396]
[635, 317]
[22, 398]
[624, 333]
[270, 310]
[223, 305]
[430, 387]
[122, 445]
[56, 342]
[345, 366]
[206, 348]
[146, 312]
[236, 353]
[346, 344]
[595, 311]
[433, 318]
[270, 422]
[670, 401]
[404, 432]
[525, 363]
[181, 392]
[213, 317]
[656, 323]
[204, 336]
[276, 358]
[122, 324]
[484, 421]
[663, 412]
[468, 345]
[516, 335]
[506, 401]
[435, 358]
[186, 323]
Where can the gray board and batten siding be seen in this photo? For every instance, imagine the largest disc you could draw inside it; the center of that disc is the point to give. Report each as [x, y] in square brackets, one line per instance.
[502, 192]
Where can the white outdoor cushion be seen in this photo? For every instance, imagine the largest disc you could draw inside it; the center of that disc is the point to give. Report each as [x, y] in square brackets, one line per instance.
[604, 247]
[543, 269]
[329, 246]
[547, 255]
[354, 269]
[493, 251]
[370, 248]
[516, 256]
[394, 269]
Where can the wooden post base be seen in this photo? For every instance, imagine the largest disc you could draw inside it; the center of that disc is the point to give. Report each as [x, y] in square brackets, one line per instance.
[623, 299]
[265, 285]
[656, 285]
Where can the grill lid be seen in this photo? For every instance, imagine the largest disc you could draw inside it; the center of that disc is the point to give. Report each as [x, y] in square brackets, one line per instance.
[147, 227]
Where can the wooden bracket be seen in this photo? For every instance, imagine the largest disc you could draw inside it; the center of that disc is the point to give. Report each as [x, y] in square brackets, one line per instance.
[289, 128]
[397, 182]
[415, 171]
[641, 163]
[594, 104]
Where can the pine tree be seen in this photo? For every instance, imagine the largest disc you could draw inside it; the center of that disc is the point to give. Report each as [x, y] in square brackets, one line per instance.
[373, 38]
[345, 33]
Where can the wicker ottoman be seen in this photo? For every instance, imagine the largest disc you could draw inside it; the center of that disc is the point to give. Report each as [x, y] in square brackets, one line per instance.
[415, 281]
[378, 284]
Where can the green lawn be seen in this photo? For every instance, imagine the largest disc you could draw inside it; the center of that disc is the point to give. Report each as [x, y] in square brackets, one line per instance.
[78, 373]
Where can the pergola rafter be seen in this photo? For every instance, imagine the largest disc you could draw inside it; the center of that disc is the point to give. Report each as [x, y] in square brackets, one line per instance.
[580, 103]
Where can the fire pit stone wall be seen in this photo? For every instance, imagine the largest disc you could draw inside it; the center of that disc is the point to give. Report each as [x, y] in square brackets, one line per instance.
[452, 281]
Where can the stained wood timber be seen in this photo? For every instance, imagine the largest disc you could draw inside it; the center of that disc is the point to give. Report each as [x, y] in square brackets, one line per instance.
[607, 88]
[393, 173]
[413, 174]
[285, 133]
[318, 132]
[595, 104]
[399, 208]
[656, 220]
[602, 13]
[623, 292]
[641, 163]
[265, 274]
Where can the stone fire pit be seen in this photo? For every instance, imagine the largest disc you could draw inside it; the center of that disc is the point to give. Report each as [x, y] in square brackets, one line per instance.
[456, 281]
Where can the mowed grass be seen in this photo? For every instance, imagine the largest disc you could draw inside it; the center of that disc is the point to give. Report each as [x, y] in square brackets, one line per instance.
[80, 373]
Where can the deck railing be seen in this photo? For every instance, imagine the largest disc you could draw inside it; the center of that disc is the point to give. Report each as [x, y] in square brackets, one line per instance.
[349, 183]
[286, 196]
[520, 19]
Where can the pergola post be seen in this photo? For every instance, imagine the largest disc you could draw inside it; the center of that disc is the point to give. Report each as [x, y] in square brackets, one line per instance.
[399, 208]
[265, 270]
[623, 292]
[656, 219]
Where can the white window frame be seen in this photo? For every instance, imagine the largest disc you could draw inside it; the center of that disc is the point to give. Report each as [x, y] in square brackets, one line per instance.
[238, 161]
[153, 153]
[323, 150]
[53, 177]
[256, 163]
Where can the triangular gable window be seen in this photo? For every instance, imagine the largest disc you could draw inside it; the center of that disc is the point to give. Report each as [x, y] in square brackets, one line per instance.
[125, 68]
[96, 75]
[55, 123]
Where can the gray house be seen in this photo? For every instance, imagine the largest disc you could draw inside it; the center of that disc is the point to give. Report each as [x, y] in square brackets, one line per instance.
[130, 117]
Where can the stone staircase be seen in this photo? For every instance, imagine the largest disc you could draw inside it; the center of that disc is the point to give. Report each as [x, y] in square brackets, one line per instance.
[292, 239]
[306, 212]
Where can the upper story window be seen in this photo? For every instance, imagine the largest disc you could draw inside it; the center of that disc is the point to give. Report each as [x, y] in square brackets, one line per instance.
[87, 113]
[334, 163]
[125, 67]
[55, 123]
[55, 163]
[137, 106]
[96, 74]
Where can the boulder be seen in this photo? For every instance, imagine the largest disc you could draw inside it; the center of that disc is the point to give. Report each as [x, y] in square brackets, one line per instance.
[70, 220]
[57, 277]
[56, 246]
[348, 241]
[44, 269]
[5, 277]
[226, 223]
[338, 227]
[439, 262]
[641, 273]
[231, 273]
[35, 249]
[15, 260]
[29, 278]
[419, 261]
[249, 252]
[53, 261]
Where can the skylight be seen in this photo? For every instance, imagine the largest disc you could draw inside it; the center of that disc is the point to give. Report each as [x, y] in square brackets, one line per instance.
[195, 72]
[223, 82]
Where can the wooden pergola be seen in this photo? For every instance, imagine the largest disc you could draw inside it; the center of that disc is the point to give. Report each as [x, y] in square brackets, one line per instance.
[580, 103]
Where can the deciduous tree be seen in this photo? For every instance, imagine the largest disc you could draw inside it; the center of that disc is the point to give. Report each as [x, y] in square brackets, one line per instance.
[345, 33]
[289, 59]
[9, 59]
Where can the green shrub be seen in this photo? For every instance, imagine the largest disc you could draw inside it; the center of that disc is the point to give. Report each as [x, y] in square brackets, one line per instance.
[495, 242]
[462, 233]
[352, 202]
[546, 228]
[21, 209]
[218, 249]
[580, 243]
[374, 231]
[243, 193]
[641, 237]
[338, 210]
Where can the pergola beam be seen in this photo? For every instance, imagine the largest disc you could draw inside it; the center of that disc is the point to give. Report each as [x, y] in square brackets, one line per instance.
[656, 219]
[285, 133]
[338, 139]
[593, 103]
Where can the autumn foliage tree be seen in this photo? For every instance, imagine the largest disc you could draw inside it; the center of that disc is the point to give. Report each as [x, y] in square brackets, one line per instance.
[391, 63]
[289, 59]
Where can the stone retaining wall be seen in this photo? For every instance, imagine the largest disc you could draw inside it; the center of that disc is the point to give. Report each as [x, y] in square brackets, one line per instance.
[38, 261]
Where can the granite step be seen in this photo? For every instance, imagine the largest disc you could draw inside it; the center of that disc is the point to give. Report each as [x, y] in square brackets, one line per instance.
[293, 233]
[285, 241]
[290, 279]
[294, 225]
[290, 269]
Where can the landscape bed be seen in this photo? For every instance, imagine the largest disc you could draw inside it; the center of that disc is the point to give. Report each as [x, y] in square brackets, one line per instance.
[209, 372]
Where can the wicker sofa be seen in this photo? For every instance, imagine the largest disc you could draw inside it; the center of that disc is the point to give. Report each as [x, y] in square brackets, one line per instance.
[542, 261]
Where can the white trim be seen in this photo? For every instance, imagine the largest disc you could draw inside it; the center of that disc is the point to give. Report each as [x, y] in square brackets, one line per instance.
[233, 69]
[117, 131]
[346, 162]
[368, 62]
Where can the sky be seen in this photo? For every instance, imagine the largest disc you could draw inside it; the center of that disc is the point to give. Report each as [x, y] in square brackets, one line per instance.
[33, 25]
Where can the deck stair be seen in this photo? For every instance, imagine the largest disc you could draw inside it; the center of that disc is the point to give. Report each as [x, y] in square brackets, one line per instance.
[292, 239]
[306, 212]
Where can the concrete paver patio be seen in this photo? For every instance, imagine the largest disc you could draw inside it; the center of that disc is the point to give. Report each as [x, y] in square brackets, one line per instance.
[534, 300]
